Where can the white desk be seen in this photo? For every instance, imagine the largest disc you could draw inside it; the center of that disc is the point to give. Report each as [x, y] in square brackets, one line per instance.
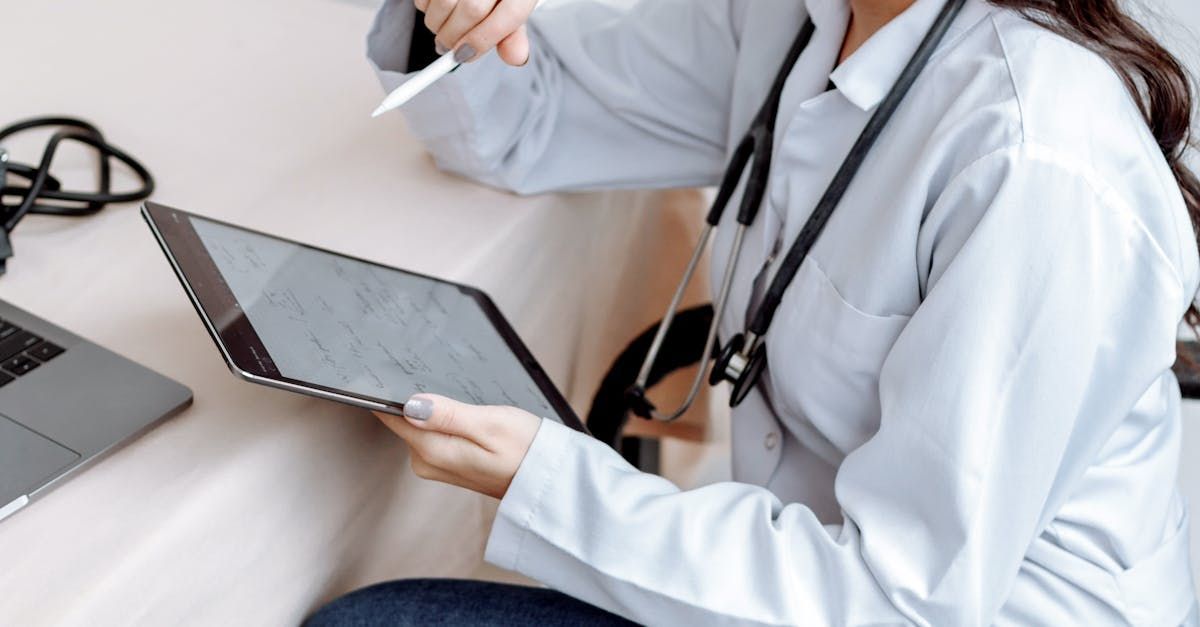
[254, 506]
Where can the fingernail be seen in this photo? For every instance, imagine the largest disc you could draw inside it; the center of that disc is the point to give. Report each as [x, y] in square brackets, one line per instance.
[418, 408]
[440, 48]
[464, 53]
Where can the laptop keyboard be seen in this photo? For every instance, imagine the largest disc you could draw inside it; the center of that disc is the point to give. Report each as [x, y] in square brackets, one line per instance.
[21, 352]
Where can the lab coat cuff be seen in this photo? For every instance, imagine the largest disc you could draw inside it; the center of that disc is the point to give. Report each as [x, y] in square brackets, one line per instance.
[390, 36]
[529, 486]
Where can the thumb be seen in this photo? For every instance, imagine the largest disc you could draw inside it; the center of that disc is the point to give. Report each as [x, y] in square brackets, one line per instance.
[514, 49]
[432, 412]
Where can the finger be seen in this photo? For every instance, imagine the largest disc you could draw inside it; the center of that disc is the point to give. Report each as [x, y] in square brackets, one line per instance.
[436, 14]
[507, 19]
[434, 458]
[398, 425]
[480, 424]
[467, 14]
[421, 5]
[449, 451]
[428, 444]
[426, 470]
[425, 442]
[514, 49]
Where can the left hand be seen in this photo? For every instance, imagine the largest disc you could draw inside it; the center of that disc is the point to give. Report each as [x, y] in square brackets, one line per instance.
[471, 446]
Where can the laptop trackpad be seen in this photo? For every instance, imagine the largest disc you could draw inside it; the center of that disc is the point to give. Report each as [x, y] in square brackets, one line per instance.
[28, 460]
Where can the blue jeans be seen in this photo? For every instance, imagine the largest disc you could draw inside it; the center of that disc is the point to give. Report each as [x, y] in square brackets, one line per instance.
[458, 602]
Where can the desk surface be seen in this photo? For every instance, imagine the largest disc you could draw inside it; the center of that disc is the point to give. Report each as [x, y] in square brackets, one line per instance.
[255, 505]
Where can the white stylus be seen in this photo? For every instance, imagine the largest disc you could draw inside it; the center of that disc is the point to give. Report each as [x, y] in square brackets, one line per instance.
[415, 85]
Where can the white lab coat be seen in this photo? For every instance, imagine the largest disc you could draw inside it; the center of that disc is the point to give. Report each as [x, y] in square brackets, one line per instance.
[969, 416]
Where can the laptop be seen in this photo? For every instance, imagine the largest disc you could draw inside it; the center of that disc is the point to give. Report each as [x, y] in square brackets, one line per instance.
[65, 402]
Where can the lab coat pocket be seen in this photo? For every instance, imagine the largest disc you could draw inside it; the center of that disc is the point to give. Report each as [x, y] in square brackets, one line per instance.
[825, 355]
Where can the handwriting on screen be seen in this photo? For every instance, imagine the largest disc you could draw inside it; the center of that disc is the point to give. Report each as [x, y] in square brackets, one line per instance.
[374, 331]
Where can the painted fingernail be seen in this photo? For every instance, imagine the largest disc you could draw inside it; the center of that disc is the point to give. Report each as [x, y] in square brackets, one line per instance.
[465, 53]
[418, 408]
[440, 48]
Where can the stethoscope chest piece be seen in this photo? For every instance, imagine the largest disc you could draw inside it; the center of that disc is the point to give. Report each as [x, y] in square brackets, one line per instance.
[740, 365]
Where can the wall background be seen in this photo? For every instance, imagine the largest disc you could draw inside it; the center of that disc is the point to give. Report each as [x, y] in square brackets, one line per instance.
[1178, 22]
[1187, 12]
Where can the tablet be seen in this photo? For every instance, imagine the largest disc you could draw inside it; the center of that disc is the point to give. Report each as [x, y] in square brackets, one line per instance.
[308, 320]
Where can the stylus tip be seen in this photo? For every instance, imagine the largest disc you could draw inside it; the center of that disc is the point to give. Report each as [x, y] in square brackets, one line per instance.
[383, 108]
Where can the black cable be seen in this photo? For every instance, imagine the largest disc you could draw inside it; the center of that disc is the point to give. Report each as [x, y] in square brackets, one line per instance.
[41, 186]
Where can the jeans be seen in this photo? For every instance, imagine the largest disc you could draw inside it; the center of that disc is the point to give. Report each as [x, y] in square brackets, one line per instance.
[458, 602]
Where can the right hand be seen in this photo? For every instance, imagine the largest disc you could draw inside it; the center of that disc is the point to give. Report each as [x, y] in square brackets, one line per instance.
[472, 27]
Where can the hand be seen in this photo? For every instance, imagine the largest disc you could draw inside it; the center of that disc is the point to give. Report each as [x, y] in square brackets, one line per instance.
[471, 446]
[472, 27]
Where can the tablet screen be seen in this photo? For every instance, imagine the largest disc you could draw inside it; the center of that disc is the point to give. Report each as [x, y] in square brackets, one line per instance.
[374, 331]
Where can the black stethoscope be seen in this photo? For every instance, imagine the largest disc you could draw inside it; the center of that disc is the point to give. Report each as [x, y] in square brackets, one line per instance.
[41, 186]
[744, 357]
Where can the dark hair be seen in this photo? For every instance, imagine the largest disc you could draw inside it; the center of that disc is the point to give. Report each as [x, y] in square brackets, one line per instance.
[1157, 80]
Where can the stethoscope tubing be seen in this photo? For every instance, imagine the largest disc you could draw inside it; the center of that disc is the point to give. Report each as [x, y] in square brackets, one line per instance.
[710, 339]
[744, 358]
[832, 197]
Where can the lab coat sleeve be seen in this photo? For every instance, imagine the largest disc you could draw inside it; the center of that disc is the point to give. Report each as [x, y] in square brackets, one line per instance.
[1049, 309]
[615, 95]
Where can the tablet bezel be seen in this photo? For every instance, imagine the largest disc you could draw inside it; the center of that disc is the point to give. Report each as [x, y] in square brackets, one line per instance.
[245, 353]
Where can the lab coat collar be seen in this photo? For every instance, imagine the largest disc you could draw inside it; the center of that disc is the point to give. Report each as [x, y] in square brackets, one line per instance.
[830, 16]
[869, 74]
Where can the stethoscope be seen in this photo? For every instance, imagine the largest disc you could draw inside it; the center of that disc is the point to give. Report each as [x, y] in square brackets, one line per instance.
[742, 360]
[42, 186]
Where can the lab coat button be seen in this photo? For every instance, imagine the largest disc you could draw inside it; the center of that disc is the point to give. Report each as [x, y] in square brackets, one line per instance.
[771, 441]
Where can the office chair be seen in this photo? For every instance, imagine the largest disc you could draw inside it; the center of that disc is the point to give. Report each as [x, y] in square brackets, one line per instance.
[609, 414]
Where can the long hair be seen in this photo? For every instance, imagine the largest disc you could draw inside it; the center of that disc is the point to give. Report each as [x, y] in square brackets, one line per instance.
[1156, 79]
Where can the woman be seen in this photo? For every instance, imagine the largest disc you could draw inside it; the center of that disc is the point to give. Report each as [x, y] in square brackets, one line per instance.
[969, 415]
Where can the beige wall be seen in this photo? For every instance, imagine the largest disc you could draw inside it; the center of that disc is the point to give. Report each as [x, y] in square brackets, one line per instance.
[1179, 23]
